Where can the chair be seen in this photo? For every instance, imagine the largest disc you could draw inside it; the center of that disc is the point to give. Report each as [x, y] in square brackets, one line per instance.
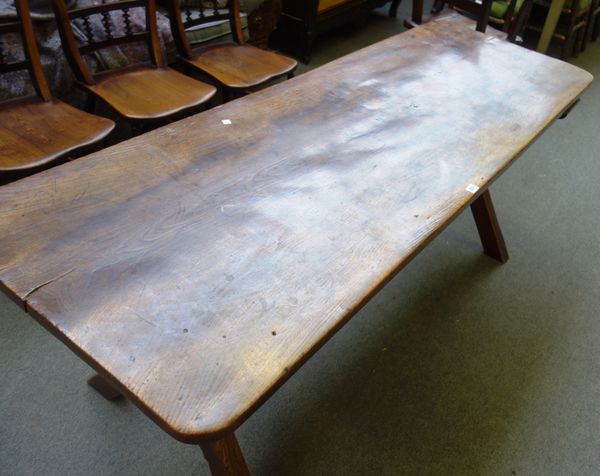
[504, 12]
[573, 26]
[510, 14]
[237, 67]
[479, 10]
[38, 131]
[593, 24]
[142, 92]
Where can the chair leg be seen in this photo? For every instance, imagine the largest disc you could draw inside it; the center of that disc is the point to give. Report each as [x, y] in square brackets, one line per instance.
[567, 48]
[225, 457]
[437, 7]
[589, 24]
[290, 75]
[90, 103]
[307, 46]
[394, 8]
[570, 44]
[583, 37]
[518, 25]
[595, 27]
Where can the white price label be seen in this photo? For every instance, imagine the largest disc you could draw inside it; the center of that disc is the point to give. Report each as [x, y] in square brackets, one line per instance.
[472, 188]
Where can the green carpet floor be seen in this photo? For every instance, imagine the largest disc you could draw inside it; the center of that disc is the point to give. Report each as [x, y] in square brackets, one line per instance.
[460, 366]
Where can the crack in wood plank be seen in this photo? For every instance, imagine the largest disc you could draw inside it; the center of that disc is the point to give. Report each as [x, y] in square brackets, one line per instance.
[46, 283]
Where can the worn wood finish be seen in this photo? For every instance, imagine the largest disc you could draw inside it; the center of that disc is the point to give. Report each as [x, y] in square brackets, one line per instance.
[233, 65]
[225, 457]
[141, 92]
[103, 387]
[37, 131]
[489, 228]
[201, 264]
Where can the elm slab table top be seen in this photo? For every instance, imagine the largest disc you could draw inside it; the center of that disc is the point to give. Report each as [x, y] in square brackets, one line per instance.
[198, 266]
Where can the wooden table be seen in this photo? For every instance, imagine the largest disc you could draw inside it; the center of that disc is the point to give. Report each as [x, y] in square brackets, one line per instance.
[197, 267]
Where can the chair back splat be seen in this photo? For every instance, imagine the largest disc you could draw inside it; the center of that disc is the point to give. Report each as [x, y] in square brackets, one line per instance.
[186, 14]
[110, 14]
[31, 56]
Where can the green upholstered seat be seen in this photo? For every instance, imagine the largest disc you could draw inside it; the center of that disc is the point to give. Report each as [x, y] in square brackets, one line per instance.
[500, 7]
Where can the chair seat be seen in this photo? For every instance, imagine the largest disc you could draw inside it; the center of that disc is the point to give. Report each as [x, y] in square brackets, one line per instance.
[147, 92]
[500, 7]
[241, 66]
[34, 134]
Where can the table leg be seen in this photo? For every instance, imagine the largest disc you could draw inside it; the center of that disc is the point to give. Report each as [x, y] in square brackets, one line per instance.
[550, 25]
[417, 12]
[489, 228]
[103, 387]
[225, 457]
[417, 15]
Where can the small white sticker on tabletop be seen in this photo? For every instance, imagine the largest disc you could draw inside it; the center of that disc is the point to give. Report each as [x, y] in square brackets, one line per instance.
[226, 121]
[472, 188]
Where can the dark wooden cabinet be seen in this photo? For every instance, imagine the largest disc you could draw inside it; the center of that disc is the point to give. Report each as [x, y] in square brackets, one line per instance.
[303, 20]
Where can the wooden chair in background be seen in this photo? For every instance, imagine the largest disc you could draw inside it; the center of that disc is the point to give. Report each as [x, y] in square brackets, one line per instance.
[504, 12]
[510, 15]
[572, 27]
[37, 131]
[237, 67]
[593, 24]
[142, 92]
[480, 11]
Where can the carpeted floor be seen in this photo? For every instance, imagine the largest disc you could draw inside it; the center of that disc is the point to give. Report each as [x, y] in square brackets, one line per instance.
[459, 366]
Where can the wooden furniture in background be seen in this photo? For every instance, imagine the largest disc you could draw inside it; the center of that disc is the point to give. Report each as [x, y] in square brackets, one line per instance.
[572, 31]
[504, 12]
[37, 131]
[593, 23]
[238, 67]
[142, 92]
[511, 16]
[513, 22]
[262, 21]
[196, 287]
[480, 10]
[303, 20]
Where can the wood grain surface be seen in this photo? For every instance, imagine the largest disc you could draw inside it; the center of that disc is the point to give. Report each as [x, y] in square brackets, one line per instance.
[241, 66]
[149, 93]
[37, 133]
[198, 266]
